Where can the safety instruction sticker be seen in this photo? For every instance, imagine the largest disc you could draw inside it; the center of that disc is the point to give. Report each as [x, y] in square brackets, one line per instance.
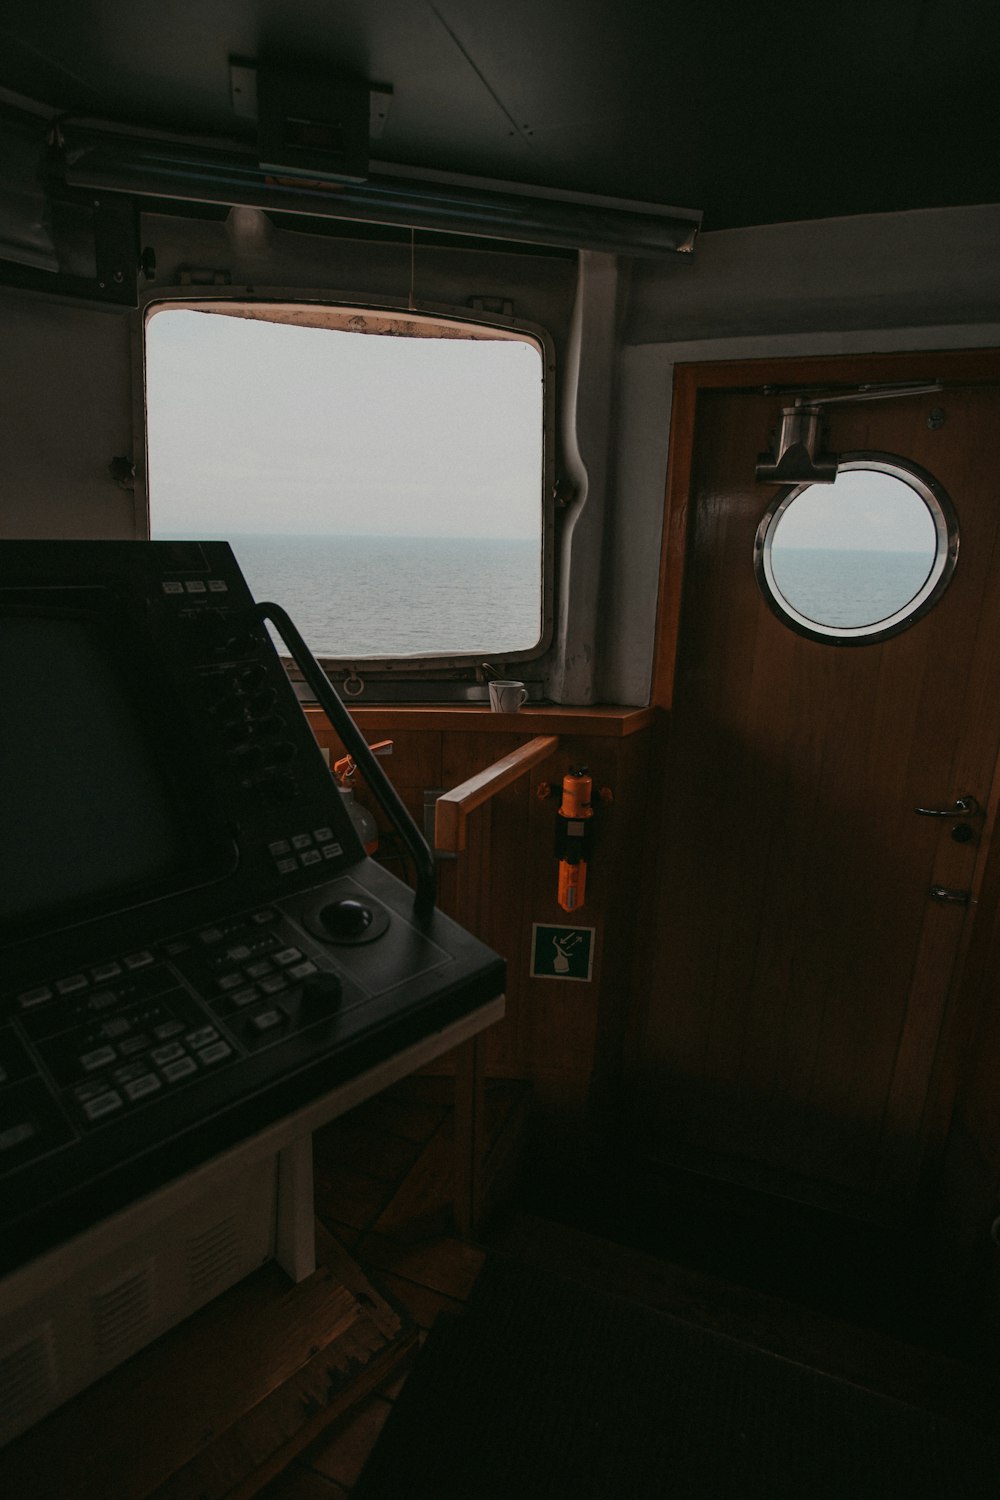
[561, 952]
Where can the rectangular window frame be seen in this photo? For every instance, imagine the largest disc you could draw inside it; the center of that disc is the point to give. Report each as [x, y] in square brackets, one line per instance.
[458, 677]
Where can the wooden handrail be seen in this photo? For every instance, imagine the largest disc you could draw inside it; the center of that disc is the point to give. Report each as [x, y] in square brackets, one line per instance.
[452, 811]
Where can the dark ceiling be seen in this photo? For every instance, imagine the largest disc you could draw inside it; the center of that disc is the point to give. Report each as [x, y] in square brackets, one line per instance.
[754, 113]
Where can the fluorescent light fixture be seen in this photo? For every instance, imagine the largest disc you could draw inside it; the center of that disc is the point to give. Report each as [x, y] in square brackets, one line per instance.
[109, 158]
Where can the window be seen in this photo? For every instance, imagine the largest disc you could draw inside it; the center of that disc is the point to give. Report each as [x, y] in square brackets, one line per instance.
[380, 475]
[862, 558]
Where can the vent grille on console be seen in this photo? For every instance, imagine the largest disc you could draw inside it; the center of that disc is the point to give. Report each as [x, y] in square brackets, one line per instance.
[213, 1257]
[27, 1382]
[123, 1313]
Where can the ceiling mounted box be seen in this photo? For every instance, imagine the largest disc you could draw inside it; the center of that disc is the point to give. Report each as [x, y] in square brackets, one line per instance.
[310, 126]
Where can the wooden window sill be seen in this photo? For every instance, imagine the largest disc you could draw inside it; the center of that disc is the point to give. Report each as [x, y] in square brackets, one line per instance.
[610, 721]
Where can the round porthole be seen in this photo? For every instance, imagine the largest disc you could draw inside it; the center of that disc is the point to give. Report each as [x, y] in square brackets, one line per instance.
[862, 558]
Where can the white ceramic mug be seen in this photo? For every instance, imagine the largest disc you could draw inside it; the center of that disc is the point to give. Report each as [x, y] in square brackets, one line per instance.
[506, 697]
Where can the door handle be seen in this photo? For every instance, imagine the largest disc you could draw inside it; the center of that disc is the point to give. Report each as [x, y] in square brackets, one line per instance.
[964, 807]
[945, 896]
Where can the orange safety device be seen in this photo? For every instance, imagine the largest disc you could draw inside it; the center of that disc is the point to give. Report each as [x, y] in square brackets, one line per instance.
[574, 830]
[344, 768]
[364, 824]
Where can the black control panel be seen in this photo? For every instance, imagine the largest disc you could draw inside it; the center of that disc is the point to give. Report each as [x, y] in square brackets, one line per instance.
[231, 953]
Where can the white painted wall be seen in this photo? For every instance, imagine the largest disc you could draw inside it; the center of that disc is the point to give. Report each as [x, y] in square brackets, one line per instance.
[65, 414]
[878, 272]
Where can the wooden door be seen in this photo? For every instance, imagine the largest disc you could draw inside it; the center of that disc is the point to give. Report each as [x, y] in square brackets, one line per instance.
[799, 1031]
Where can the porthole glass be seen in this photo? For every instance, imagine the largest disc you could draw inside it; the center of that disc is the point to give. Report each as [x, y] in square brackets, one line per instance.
[859, 559]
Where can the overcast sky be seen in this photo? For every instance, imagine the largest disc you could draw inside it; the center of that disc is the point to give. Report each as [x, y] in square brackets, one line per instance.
[860, 511]
[257, 427]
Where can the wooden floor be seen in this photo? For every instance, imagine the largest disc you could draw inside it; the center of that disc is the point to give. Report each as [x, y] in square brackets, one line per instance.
[383, 1177]
[382, 1188]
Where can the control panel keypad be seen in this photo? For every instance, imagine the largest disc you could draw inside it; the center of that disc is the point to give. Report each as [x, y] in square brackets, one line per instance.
[123, 1032]
[133, 1028]
[300, 851]
[248, 970]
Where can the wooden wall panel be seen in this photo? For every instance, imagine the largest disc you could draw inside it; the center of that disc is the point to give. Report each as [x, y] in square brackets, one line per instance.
[506, 880]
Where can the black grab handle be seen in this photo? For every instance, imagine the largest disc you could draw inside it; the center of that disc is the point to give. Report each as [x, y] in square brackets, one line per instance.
[357, 746]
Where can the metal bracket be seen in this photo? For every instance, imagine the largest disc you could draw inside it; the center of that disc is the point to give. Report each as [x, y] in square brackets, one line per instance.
[116, 257]
[797, 459]
[116, 248]
[243, 95]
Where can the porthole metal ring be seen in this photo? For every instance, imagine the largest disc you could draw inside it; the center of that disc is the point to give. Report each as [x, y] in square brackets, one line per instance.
[945, 521]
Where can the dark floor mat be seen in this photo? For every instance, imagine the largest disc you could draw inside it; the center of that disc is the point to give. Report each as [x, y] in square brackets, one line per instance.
[544, 1388]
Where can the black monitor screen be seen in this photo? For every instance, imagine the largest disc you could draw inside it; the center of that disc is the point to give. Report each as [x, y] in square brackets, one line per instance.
[92, 808]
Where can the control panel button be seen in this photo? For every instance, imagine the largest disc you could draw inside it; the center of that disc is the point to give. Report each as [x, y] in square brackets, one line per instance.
[173, 1072]
[167, 1054]
[167, 1029]
[104, 1104]
[104, 972]
[302, 970]
[287, 866]
[302, 841]
[16, 1135]
[202, 1036]
[30, 998]
[215, 1053]
[172, 586]
[132, 1071]
[266, 1020]
[273, 983]
[85, 1091]
[72, 984]
[287, 956]
[138, 960]
[322, 835]
[140, 1088]
[245, 996]
[133, 1045]
[99, 1058]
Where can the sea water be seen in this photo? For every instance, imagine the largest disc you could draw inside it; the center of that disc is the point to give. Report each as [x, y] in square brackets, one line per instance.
[373, 596]
[848, 586]
[376, 596]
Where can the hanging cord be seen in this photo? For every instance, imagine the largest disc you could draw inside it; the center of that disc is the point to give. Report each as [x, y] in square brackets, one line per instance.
[413, 266]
